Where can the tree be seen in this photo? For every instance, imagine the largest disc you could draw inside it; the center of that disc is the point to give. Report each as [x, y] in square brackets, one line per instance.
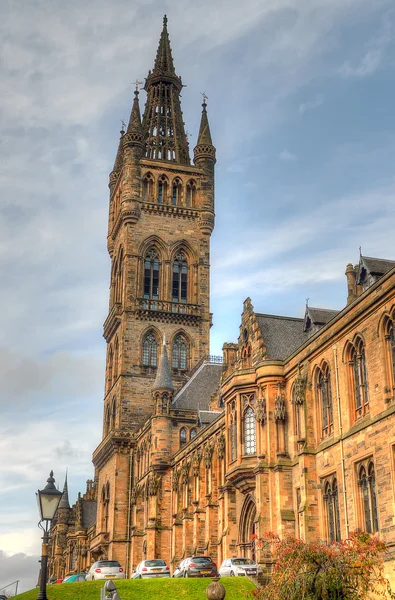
[348, 570]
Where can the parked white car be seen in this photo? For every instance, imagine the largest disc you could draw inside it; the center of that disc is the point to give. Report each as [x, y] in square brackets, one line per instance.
[105, 569]
[239, 566]
[155, 567]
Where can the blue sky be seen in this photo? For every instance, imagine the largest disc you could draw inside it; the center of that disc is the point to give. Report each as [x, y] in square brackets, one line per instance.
[301, 98]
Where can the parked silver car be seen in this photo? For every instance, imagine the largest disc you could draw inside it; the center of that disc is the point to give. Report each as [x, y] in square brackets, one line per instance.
[196, 566]
[105, 569]
[155, 567]
[239, 566]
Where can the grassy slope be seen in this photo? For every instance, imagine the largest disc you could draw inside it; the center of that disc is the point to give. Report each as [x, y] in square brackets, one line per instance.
[237, 588]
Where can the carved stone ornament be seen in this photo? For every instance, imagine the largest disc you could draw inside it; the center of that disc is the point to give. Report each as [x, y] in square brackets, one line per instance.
[279, 407]
[135, 494]
[299, 391]
[176, 478]
[260, 411]
[185, 472]
[221, 446]
[208, 455]
[196, 458]
[154, 484]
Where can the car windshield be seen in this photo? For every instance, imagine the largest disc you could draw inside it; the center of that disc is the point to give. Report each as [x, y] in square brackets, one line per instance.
[108, 563]
[242, 561]
[201, 559]
[155, 563]
[65, 579]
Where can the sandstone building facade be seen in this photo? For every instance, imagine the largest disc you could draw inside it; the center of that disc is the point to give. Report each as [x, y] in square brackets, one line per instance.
[291, 431]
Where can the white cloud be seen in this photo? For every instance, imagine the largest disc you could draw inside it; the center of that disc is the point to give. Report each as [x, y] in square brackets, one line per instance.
[287, 156]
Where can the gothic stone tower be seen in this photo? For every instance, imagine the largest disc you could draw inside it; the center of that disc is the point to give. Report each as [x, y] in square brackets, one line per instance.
[160, 220]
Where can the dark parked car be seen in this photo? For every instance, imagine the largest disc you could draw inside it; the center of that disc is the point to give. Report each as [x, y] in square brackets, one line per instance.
[196, 566]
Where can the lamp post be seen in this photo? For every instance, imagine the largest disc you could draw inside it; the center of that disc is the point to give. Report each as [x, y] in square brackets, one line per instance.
[48, 501]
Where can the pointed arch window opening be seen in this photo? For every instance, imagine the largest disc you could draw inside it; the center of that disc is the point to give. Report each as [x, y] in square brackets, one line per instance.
[180, 278]
[183, 436]
[180, 353]
[162, 185]
[249, 431]
[325, 401]
[150, 351]
[360, 380]
[193, 433]
[331, 502]
[390, 337]
[148, 188]
[367, 483]
[176, 192]
[151, 275]
[191, 193]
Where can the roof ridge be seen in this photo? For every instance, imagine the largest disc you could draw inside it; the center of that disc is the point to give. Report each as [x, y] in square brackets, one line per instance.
[377, 258]
[184, 387]
[327, 309]
[279, 317]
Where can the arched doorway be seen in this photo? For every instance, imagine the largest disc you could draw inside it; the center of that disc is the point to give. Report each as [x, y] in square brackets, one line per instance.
[248, 528]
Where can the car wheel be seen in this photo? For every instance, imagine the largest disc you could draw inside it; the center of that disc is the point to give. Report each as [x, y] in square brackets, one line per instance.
[232, 574]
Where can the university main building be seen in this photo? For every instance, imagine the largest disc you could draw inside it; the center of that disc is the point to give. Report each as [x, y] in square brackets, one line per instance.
[291, 431]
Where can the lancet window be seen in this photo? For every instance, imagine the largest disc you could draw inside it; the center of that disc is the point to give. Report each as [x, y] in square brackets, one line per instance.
[191, 193]
[148, 188]
[180, 353]
[192, 433]
[183, 436]
[359, 378]
[367, 485]
[332, 513]
[180, 278]
[389, 335]
[232, 431]
[151, 275]
[248, 401]
[176, 192]
[325, 403]
[162, 189]
[150, 350]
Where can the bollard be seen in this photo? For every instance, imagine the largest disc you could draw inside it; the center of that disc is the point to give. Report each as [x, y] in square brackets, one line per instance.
[215, 591]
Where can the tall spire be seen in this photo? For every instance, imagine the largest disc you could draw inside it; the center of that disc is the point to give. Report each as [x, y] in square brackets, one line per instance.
[64, 501]
[163, 376]
[119, 157]
[163, 123]
[164, 59]
[135, 126]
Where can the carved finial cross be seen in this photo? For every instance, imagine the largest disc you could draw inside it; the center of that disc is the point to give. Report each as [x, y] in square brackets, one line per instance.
[137, 83]
[204, 97]
[123, 125]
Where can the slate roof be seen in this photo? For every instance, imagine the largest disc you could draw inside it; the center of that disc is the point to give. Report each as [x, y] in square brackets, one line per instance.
[208, 416]
[163, 375]
[88, 512]
[281, 335]
[321, 316]
[197, 392]
[64, 501]
[376, 266]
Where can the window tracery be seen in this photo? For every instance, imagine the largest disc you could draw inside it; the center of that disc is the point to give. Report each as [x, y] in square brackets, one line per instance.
[150, 350]
[180, 278]
[367, 485]
[183, 436]
[148, 187]
[191, 193]
[357, 362]
[332, 513]
[162, 189]
[151, 274]
[248, 402]
[180, 353]
[389, 337]
[325, 402]
[176, 192]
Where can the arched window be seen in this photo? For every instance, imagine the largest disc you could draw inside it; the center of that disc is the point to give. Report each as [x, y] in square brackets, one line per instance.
[176, 192]
[151, 275]
[193, 433]
[246, 356]
[107, 420]
[183, 436]
[150, 350]
[325, 400]
[249, 431]
[389, 335]
[359, 378]
[367, 484]
[180, 353]
[148, 188]
[332, 514]
[232, 430]
[162, 189]
[110, 365]
[180, 278]
[191, 193]
[119, 278]
[113, 413]
[116, 358]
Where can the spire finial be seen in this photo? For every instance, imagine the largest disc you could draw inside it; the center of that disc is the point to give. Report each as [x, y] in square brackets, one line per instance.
[307, 302]
[360, 250]
[165, 21]
[204, 100]
[123, 127]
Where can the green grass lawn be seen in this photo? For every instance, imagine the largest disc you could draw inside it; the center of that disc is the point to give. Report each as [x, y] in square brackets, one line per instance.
[237, 588]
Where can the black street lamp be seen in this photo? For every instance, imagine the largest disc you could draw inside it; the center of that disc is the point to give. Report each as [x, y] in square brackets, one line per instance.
[48, 501]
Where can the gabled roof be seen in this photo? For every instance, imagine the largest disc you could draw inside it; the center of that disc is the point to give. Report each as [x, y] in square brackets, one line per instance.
[196, 393]
[318, 317]
[281, 335]
[377, 267]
